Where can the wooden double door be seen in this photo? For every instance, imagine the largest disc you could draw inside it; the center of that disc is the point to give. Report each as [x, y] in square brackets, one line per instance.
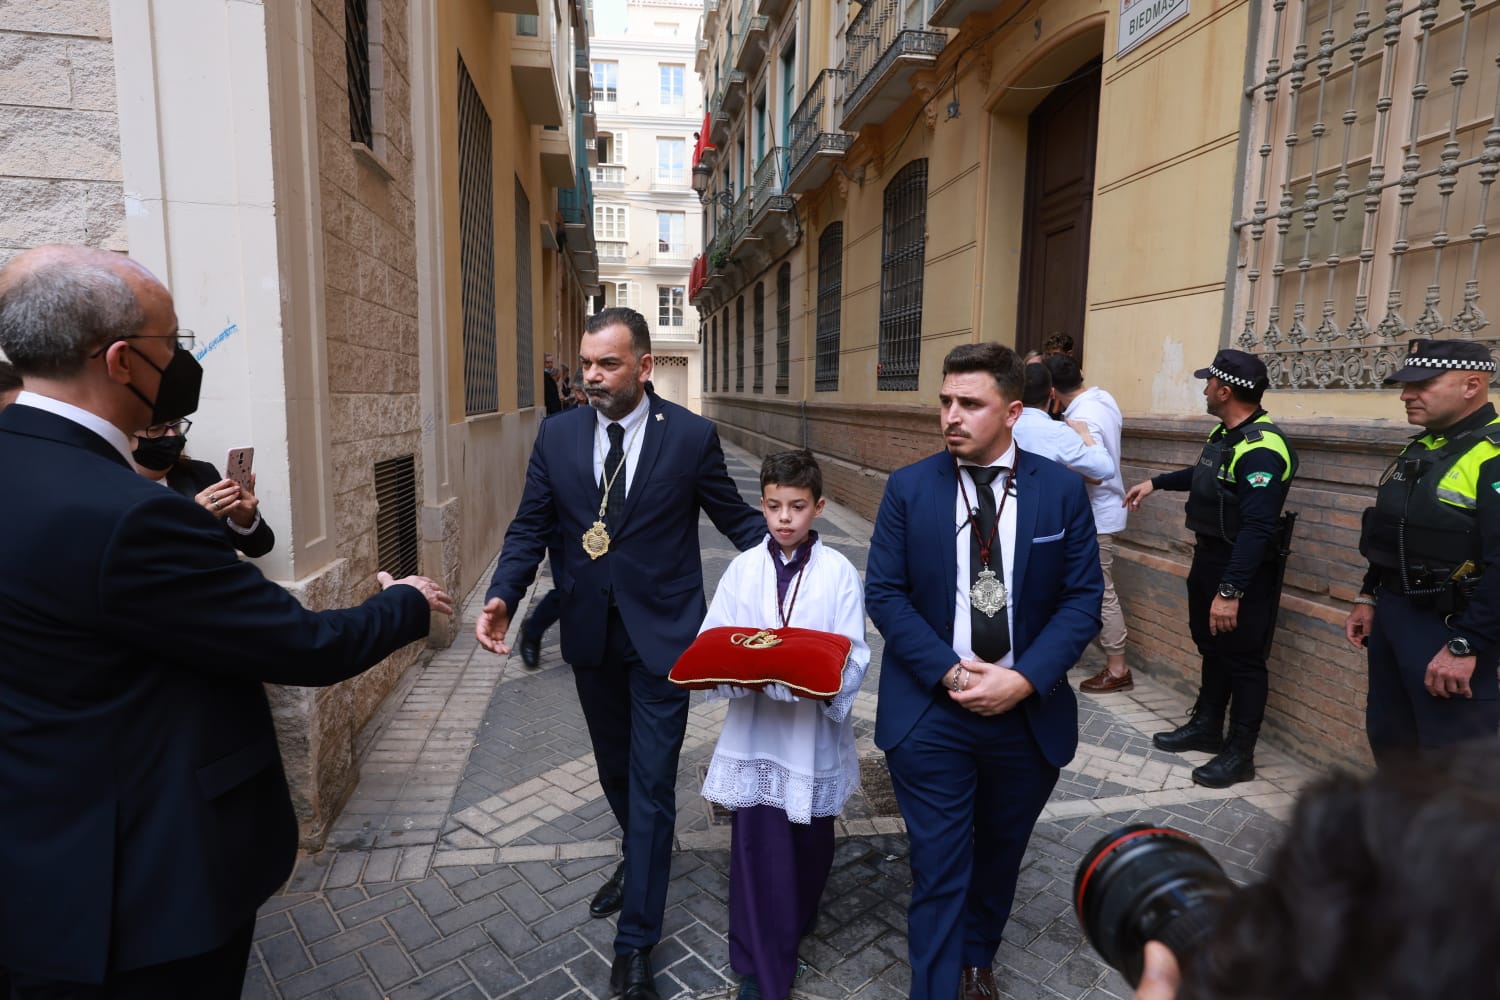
[1062, 136]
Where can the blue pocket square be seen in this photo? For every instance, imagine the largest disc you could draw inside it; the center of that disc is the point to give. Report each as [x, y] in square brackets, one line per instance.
[1049, 538]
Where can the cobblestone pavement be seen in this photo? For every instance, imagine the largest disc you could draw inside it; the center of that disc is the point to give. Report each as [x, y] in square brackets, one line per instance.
[464, 863]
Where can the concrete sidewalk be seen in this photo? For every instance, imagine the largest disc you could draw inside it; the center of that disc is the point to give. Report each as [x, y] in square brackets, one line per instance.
[464, 862]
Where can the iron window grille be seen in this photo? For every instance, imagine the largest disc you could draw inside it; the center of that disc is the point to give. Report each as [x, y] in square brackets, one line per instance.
[830, 301]
[476, 249]
[783, 329]
[739, 344]
[903, 252]
[711, 354]
[357, 71]
[1370, 186]
[525, 377]
[724, 332]
[396, 547]
[758, 353]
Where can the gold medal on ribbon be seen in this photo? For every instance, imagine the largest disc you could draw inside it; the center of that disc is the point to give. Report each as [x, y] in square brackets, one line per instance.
[596, 540]
[988, 593]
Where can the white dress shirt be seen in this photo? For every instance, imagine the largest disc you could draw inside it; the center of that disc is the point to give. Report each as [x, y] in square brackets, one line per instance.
[1005, 537]
[1101, 413]
[89, 421]
[633, 424]
[1041, 435]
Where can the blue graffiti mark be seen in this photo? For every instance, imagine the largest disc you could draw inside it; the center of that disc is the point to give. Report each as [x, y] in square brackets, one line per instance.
[223, 335]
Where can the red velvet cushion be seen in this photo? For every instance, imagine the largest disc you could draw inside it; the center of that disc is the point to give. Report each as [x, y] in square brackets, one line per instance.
[809, 662]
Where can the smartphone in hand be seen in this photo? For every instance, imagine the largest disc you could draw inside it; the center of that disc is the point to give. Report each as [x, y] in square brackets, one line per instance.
[238, 466]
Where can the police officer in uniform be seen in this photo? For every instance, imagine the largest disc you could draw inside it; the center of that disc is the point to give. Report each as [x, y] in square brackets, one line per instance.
[1429, 608]
[1235, 495]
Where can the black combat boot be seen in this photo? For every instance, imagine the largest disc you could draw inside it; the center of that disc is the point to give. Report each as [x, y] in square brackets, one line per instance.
[1204, 730]
[1235, 764]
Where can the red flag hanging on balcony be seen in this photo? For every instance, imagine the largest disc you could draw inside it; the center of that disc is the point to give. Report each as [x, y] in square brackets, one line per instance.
[704, 143]
[695, 278]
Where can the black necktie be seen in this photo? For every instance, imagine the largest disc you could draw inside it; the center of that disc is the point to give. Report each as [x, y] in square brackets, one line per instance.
[989, 636]
[614, 475]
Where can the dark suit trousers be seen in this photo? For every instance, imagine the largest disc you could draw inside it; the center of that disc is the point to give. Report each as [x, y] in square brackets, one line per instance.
[215, 975]
[636, 721]
[971, 788]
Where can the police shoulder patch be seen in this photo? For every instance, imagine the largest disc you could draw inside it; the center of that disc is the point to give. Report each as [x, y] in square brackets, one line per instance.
[1495, 486]
[1259, 479]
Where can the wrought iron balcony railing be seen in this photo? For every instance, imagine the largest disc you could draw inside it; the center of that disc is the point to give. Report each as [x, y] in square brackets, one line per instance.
[813, 127]
[876, 38]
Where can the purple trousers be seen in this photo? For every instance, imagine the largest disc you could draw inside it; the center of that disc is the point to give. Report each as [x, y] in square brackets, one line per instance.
[777, 871]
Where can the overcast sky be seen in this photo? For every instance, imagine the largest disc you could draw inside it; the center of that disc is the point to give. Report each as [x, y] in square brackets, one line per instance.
[609, 17]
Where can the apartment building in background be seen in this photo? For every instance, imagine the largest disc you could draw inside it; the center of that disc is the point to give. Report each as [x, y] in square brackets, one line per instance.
[648, 105]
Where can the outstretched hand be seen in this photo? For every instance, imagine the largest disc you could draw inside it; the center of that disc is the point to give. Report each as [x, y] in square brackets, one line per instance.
[437, 598]
[493, 623]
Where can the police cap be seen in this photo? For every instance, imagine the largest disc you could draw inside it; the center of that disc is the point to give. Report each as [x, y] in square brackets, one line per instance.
[1236, 368]
[1430, 358]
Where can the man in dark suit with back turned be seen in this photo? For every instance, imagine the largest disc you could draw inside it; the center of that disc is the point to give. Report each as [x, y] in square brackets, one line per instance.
[621, 483]
[144, 815]
[984, 579]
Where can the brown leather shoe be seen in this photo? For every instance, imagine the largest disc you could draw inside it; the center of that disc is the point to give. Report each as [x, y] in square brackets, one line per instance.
[978, 984]
[1105, 682]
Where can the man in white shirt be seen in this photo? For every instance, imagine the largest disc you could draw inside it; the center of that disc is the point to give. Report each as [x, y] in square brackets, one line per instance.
[1098, 410]
[1065, 442]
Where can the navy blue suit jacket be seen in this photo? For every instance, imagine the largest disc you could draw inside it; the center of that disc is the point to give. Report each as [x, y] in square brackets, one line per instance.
[653, 566]
[144, 815]
[1056, 588]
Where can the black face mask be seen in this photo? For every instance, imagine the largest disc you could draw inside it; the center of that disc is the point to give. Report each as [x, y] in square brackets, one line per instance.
[158, 454]
[177, 396]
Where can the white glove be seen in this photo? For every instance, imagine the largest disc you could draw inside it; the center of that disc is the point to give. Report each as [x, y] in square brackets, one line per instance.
[779, 692]
[731, 691]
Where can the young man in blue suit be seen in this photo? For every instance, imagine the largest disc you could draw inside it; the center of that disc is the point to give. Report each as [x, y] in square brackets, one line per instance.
[617, 487]
[984, 579]
[144, 815]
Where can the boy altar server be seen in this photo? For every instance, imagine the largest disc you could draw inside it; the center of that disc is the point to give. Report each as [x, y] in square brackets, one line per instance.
[784, 764]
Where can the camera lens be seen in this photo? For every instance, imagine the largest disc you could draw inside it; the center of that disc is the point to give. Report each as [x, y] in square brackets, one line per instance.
[1146, 883]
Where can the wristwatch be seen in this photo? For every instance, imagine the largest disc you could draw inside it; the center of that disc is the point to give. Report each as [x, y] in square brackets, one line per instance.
[1460, 647]
[1229, 593]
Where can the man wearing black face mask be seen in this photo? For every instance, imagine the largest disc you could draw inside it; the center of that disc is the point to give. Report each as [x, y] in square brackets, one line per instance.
[159, 455]
[144, 814]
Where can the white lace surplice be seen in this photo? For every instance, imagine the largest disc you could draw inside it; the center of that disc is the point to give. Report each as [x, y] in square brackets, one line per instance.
[797, 756]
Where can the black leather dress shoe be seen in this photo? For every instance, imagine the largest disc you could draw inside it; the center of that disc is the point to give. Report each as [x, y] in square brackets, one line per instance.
[611, 895]
[631, 976]
[531, 647]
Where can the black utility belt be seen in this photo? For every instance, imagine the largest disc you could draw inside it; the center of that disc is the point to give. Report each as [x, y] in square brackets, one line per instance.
[1431, 590]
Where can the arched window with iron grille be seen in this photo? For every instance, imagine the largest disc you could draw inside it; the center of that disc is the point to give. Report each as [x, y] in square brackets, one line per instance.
[758, 373]
[830, 301]
[739, 344]
[902, 255]
[783, 329]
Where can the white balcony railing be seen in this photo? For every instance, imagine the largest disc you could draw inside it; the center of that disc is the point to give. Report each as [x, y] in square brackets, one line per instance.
[609, 175]
[673, 179]
[672, 253]
[612, 251]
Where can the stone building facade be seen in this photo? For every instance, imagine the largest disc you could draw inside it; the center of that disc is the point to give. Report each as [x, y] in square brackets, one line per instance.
[1158, 181]
[375, 216]
[59, 130]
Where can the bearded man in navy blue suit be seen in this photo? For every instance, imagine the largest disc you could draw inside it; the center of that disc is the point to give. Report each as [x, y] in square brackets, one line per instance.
[144, 814]
[983, 578]
[621, 484]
